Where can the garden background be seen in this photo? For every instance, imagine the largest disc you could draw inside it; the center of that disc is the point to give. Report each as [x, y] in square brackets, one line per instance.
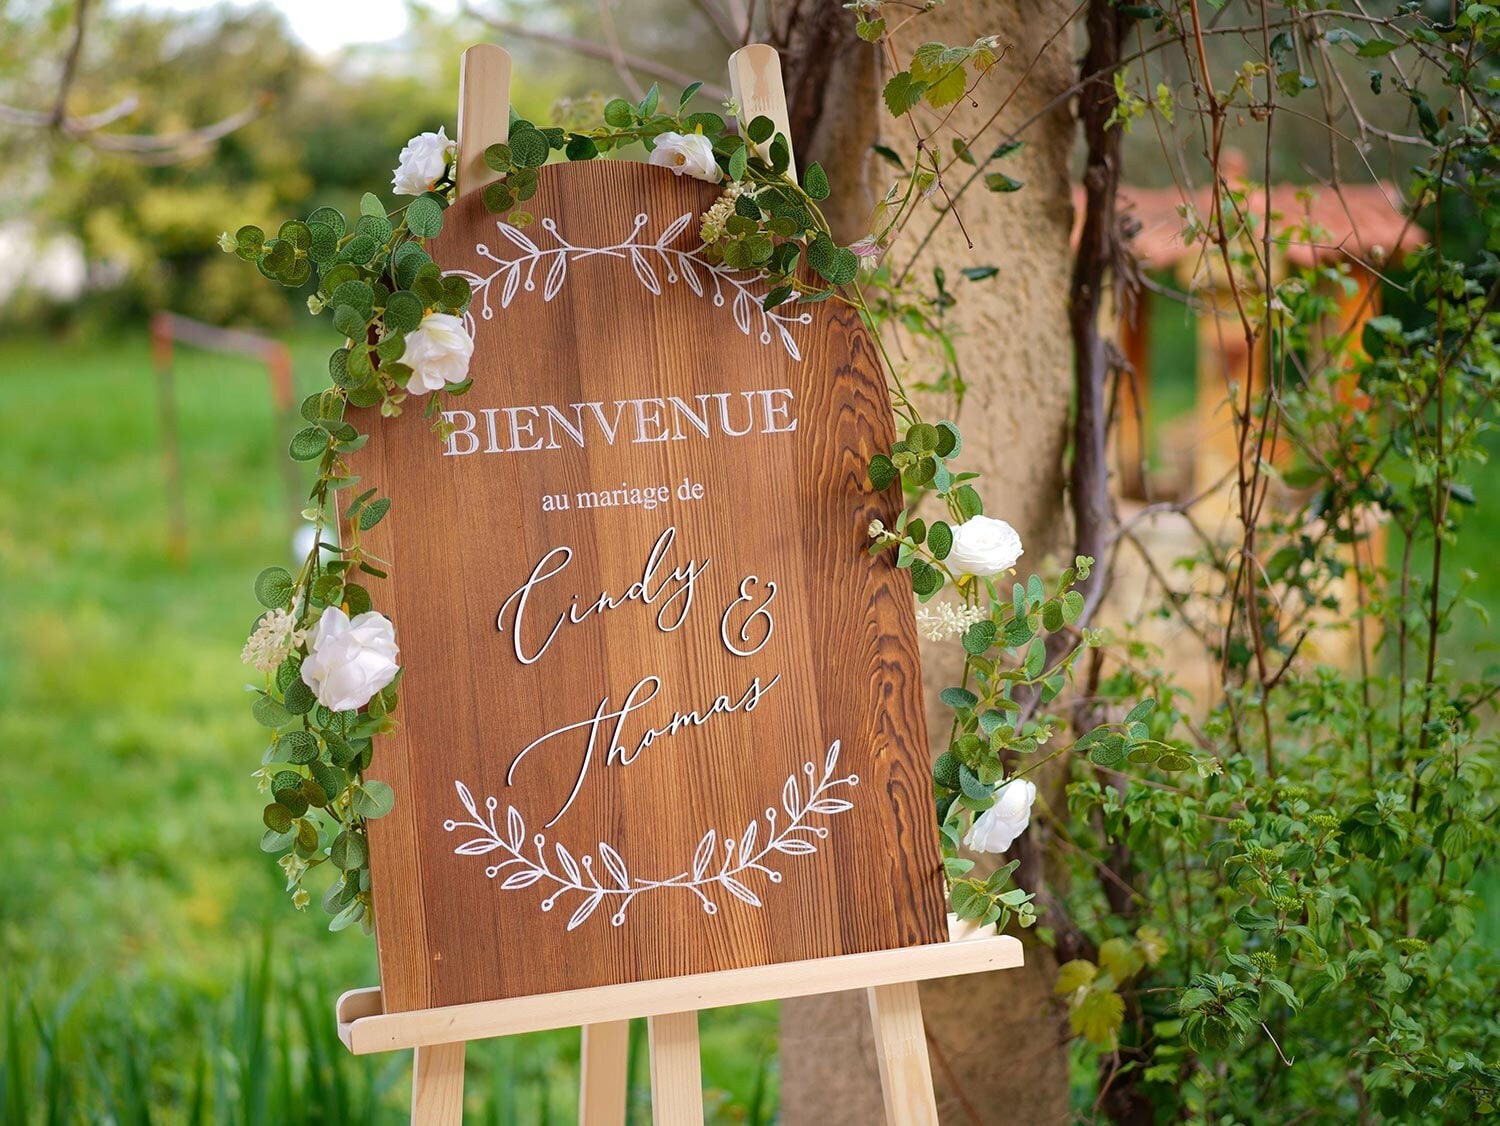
[150, 969]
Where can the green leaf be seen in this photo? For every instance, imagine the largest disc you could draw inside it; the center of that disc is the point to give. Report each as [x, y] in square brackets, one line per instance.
[761, 129]
[1141, 710]
[940, 539]
[968, 502]
[528, 148]
[300, 746]
[498, 198]
[1036, 657]
[330, 217]
[580, 147]
[424, 217]
[277, 818]
[815, 181]
[369, 204]
[373, 799]
[273, 587]
[1098, 1017]
[925, 578]
[618, 113]
[902, 92]
[373, 513]
[1000, 182]
[979, 273]
[1073, 976]
[882, 472]
[1107, 751]
[403, 311]
[497, 157]
[268, 712]
[348, 851]
[308, 443]
[1376, 48]
[650, 101]
[979, 637]
[958, 698]
[298, 699]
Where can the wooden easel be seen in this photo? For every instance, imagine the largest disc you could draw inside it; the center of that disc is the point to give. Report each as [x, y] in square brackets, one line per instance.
[670, 1005]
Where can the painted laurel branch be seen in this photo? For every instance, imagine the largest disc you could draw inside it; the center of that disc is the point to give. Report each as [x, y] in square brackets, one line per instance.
[743, 290]
[738, 857]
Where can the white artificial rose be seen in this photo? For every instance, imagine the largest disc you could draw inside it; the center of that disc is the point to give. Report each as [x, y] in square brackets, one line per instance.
[438, 352]
[422, 163]
[690, 154]
[983, 546]
[997, 828]
[349, 661]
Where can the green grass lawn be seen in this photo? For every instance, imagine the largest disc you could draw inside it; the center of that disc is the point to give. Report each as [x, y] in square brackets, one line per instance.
[138, 980]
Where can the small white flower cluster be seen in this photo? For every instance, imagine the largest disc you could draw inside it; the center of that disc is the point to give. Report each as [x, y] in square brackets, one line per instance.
[946, 619]
[715, 218]
[275, 637]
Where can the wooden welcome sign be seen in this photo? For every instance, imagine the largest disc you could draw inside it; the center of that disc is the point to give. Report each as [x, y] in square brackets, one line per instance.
[662, 742]
[662, 714]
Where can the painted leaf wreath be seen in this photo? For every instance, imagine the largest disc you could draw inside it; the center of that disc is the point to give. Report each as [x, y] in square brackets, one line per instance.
[741, 857]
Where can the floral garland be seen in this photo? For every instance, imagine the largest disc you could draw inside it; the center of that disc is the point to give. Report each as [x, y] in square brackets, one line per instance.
[330, 660]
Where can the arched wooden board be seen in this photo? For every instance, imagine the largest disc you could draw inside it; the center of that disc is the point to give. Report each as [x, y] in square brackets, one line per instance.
[640, 348]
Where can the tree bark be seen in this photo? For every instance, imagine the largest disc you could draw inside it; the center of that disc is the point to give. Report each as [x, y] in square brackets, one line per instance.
[997, 1041]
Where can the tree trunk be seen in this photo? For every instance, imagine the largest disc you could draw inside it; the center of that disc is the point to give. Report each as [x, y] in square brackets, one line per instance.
[996, 1041]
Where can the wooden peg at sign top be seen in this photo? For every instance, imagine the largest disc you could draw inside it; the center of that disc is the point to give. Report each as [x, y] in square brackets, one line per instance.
[483, 112]
[755, 84]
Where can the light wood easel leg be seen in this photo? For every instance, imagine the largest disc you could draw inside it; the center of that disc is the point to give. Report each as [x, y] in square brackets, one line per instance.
[676, 1070]
[901, 1044]
[606, 1080]
[437, 1086]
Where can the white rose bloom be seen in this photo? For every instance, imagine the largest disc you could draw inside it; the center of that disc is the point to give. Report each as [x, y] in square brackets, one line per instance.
[997, 828]
[422, 163]
[349, 661]
[690, 154]
[438, 352]
[983, 546]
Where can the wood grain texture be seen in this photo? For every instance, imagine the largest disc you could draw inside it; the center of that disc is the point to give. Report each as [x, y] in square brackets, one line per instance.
[483, 112]
[365, 1027]
[755, 83]
[437, 1085]
[785, 505]
[676, 1070]
[604, 1067]
[901, 1047]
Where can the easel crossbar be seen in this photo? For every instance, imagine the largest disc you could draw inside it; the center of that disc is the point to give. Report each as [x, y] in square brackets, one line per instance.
[364, 1028]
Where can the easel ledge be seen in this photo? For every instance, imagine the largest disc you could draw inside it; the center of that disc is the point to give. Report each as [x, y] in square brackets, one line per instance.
[365, 1028]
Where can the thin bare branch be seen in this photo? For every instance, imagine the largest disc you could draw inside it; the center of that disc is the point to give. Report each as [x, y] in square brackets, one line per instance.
[589, 49]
